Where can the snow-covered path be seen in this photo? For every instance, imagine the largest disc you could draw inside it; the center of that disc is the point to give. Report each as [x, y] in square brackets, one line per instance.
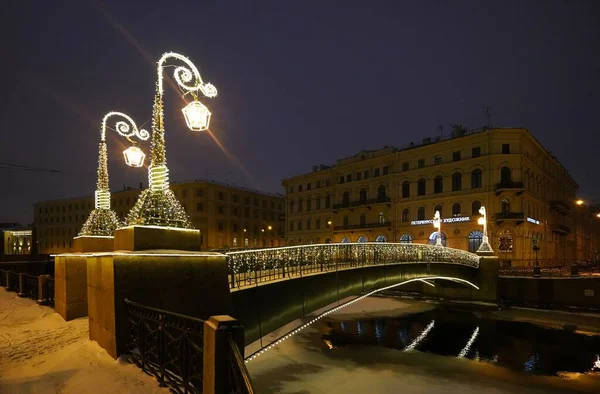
[41, 353]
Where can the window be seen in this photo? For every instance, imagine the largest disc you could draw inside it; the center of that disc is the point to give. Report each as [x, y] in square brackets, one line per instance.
[421, 213]
[476, 178]
[456, 156]
[318, 202]
[308, 205]
[475, 206]
[247, 200]
[358, 176]
[434, 236]
[291, 226]
[345, 221]
[456, 209]
[247, 212]
[345, 240]
[264, 204]
[438, 184]
[362, 238]
[308, 223]
[299, 189]
[235, 198]
[328, 201]
[406, 239]
[246, 243]
[366, 174]
[363, 195]
[291, 206]
[405, 166]
[405, 215]
[221, 226]
[421, 163]
[199, 207]
[234, 242]
[505, 205]
[421, 187]
[328, 222]
[505, 175]
[386, 170]
[505, 148]
[438, 208]
[381, 238]
[234, 227]
[377, 172]
[346, 199]
[363, 220]
[299, 224]
[381, 218]
[291, 189]
[381, 194]
[437, 159]
[349, 178]
[342, 179]
[300, 203]
[221, 196]
[308, 186]
[405, 189]
[456, 181]
[476, 151]
[327, 182]
[318, 223]
[505, 242]
[221, 210]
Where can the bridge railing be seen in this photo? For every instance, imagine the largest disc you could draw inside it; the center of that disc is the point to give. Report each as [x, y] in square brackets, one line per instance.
[254, 266]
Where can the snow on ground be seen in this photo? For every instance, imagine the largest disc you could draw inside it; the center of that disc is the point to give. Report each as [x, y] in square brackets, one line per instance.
[305, 364]
[41, 353]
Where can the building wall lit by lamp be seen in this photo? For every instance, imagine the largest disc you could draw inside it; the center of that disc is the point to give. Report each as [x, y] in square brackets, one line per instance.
[134, 156]
[197, 116]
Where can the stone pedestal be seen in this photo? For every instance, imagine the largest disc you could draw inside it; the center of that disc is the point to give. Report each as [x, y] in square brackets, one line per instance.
[70, 286]
[138, 238]
[216, 349]
[488, 277]
[188, 283]
[93, 243]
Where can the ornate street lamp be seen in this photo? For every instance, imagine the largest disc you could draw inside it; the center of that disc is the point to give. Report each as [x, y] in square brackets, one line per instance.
[158, 205]
[437, 223]
[485, 244]
[103, 221]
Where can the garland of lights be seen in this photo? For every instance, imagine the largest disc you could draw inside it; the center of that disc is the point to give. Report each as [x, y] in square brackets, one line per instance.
[158, 205]
[103, 221]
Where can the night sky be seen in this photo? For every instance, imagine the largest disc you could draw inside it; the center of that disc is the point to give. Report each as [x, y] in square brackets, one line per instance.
[300, 83]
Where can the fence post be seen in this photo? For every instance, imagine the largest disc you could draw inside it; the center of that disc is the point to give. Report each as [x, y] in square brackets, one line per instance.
[215, 379]
[42, 289]
[10, 286]
[22, 284]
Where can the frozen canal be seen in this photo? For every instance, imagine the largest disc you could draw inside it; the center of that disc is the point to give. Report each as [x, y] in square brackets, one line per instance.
[383, 345]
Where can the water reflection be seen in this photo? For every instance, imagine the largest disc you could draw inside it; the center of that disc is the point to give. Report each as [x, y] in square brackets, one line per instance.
[516, 345]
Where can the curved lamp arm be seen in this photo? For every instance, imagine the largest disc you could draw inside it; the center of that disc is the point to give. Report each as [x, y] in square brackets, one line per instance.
[188, 78]
[126, 129]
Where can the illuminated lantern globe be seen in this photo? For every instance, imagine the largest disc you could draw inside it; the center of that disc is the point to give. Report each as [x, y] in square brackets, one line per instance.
[134, 156]
[197, 116]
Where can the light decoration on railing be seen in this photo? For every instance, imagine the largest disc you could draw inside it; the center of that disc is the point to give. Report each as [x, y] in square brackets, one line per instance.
[437, 223]
[485, 244]
[158, 205]
[102, 220]
[467, 347]
[337, 308]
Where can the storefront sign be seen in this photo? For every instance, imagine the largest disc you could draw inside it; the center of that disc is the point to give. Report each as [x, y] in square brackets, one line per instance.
[532, 220]
[444, 220]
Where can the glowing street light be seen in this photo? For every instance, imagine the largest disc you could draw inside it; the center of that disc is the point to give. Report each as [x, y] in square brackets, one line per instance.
[437, 223]
[102, 220]
[579, 202]
[485, 244]
[270, 228]
[158, 205]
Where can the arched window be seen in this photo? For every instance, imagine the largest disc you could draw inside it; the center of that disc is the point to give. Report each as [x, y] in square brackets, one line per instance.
[291, 206]
[327, 240]
[505, 242]
[345, 240]
[346, 199]
[318, 202]
[405, 189]
[456, 209]
[363, 220]
[505, 205]
[308, 204]
[381, 193]
[438, 208]
[363, 195]
[318, 223]
[308, 223]
[475, 205]
[346, 222]
[505, 175]
[421, 187]
[456, 181]
[300, 203]
[381, 238]
[476, 178]
[327, 201]
[421, 213]
[381, 218]
[406, 239]
[405, 214]
[438, 184]
[433, 238]
[362, 238]
[475, 239]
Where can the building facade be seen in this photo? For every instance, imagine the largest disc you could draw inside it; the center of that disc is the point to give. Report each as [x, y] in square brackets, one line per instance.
[227, 216]
[16, 239]
[391, 195]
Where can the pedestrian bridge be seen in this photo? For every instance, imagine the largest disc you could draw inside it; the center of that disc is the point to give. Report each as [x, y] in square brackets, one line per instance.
[272, 287]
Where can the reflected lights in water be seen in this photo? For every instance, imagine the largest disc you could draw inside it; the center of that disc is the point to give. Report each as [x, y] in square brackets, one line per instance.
[422, 336]
[469, 344]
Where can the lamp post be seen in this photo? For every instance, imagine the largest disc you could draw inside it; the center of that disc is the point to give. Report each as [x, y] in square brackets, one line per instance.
[103, 221]
[485, 244]
[158, 205]
[437, 223]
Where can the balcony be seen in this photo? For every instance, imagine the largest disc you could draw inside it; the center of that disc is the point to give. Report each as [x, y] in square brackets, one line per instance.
[362, 226]
[560, 229]
[506, 186]
[359, 203]
[560, 207]
[509, 216]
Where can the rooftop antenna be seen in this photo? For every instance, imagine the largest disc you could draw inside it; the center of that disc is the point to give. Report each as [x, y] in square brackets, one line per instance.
[487, 110]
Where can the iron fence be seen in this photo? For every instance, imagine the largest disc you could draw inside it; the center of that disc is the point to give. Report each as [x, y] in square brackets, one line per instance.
[32, 287]
[168, 346]
[239, 378]
[263, 265]
[3, 278]
[12, 279]
[556, 271]
[48, 297]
